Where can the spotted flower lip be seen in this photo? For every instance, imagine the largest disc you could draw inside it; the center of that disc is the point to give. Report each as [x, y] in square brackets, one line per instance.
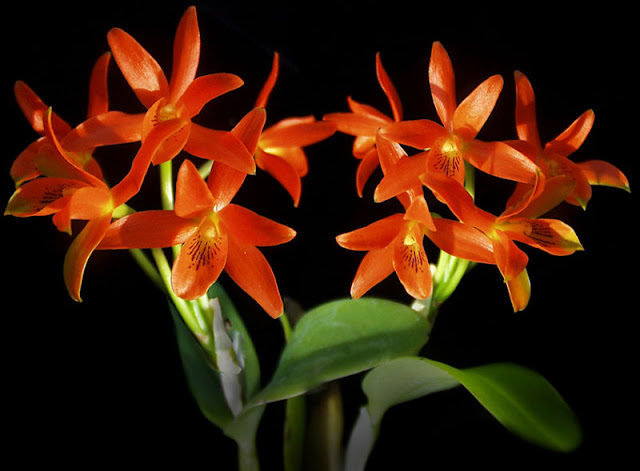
[445, 147]
[181, 97]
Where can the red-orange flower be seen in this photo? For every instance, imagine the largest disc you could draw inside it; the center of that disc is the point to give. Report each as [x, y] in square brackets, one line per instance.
[521, 224]
[394, 243]
[181, 97]
[36, 158]
[552, 158]
[280, 147]
[216, 234]
[445, 148]
[363, 122]
[69, 192]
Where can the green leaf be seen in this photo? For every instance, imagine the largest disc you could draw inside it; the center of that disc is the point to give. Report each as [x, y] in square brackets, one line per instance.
[524, 402]
[519, 398]
[341, 338]
[202, 379]
[394, 382]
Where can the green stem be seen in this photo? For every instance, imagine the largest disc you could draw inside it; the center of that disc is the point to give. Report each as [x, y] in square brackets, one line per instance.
[166, 185]
[186, 309]
[248, 459]
[147, 267]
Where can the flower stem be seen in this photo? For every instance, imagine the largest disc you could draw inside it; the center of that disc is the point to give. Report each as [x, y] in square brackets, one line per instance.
[166, 185]
[147, 267]
[186, 309]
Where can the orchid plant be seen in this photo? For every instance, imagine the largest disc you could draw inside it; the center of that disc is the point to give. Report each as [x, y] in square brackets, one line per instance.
[427, 166]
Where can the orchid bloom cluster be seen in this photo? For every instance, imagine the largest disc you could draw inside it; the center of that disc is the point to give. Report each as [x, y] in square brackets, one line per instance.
[58, 175]
[442, 158]
[428, 166]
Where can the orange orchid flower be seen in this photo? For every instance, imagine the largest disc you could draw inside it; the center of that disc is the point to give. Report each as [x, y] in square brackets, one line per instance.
[34, 160]
[181, 97]
[521, 224]
[394, 243]
[445, 148]
[363, 122]
[552, 158]
[280, 147]
[69, 192]
[217, 235]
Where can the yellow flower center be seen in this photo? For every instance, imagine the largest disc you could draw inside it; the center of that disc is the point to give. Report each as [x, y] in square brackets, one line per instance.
[167, 112]
[446, 156]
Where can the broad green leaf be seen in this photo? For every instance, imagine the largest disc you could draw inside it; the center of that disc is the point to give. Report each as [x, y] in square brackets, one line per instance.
[341, 338]
[524, 402]
[519, 398]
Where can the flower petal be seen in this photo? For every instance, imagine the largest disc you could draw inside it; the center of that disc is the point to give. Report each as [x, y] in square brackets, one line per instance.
[98, 91]
[186, 54]
[462, 241]
[510, 259]
[283, 172]
[139, 68]
[110, 128]
[265, 92]
[296, 132]
[550, 235]
[146, 230]
[374, 236]
[599, 172]
[79, 252]
[501, 160]
[368, 164]
[224, 182]
[442, 83]
[418, 211]
[374, 267]
[206, 88]
[249, 128]
[389, 89]
[38, 197]
[200, 261]
[34, 109]
[411, 264]
[24, 167]
[356, 124]
[519, 291]
[249, 269]
[220, 146]
[131, 183]
[420, 133]
[401, 177]
[474, 110]
[459, 201]
[247, 227]
[526, 122]
[573, 137]
[193, 197]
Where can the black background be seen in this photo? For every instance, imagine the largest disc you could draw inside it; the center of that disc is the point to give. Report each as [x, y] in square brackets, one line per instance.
[101, 381]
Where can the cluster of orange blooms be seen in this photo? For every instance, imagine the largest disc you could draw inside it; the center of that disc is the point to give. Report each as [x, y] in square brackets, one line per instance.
[57, 175]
